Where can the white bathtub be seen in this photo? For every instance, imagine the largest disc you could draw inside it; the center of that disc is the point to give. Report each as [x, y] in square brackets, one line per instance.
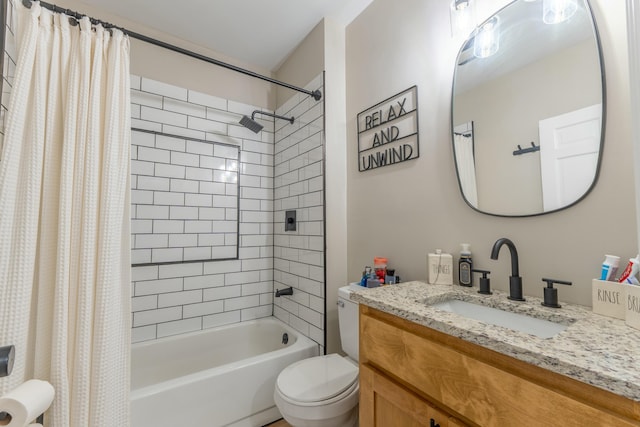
[215, 377]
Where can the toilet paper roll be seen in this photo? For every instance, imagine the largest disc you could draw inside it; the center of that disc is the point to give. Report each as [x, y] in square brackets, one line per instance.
[27, 402]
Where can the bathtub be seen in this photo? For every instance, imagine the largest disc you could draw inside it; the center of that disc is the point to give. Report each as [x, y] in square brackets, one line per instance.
[216, 377]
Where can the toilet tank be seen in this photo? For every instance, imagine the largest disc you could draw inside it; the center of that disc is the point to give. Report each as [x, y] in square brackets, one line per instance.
[348, 321]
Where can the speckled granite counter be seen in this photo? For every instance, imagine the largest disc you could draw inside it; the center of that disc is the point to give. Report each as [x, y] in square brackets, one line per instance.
[594, 349]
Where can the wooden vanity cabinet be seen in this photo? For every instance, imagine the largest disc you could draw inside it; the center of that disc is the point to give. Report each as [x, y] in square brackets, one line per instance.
[411, 375]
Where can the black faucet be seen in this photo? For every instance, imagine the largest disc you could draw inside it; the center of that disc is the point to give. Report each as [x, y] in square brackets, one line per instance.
[515, 281]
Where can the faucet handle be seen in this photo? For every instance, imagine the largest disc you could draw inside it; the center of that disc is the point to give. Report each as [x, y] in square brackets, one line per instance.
[550, 282]
[551, 293]
[485, 282]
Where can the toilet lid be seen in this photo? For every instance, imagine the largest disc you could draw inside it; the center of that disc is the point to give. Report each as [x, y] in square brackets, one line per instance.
[318, 378]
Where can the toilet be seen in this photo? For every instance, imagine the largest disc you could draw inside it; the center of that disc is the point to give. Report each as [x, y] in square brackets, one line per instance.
[323, 391]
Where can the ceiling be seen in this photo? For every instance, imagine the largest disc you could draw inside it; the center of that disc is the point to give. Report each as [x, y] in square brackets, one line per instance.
[257, 32]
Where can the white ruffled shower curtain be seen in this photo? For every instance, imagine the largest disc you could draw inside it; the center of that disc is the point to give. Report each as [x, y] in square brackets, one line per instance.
[64, 218]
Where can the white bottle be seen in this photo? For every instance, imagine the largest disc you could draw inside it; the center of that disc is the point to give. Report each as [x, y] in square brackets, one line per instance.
[440, 268]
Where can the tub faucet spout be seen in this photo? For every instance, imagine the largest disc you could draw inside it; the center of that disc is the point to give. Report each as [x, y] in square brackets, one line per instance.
[515, 281]
[285, 291]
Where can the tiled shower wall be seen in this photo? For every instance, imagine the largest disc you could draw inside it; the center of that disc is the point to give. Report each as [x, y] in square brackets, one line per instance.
[184, 199]
[176, 298]
[299, 186]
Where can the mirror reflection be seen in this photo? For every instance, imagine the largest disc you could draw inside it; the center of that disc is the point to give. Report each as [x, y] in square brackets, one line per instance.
[527, 109]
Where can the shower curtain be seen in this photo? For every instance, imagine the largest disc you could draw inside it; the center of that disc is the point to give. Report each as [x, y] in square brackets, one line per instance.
[64, 221]
[463, 146]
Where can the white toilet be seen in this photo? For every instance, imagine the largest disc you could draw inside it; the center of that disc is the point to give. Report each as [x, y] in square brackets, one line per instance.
[322, 391]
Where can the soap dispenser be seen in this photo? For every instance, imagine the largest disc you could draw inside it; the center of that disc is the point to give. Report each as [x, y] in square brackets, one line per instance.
[465, 265]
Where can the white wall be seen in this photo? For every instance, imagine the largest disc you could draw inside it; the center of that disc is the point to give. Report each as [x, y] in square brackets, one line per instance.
[302, 65]
[407, 210]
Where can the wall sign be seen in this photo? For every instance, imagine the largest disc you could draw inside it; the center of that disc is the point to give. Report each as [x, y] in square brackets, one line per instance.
[388, 131]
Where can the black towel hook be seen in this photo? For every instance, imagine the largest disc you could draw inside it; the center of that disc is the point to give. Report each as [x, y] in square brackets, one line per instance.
[531, 149]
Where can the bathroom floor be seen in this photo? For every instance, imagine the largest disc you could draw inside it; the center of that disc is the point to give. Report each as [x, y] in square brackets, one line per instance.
[280, 423]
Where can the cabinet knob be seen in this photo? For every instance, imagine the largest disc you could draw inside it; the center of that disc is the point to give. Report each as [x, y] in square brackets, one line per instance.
[433, 423]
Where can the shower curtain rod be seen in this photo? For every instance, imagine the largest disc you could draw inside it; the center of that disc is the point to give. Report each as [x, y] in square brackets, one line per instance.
[316, 94]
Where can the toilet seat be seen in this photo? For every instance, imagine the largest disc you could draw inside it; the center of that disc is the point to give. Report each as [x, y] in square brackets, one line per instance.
[318, 381]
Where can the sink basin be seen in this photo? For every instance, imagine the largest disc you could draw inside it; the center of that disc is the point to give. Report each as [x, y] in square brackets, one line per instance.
[494, 316]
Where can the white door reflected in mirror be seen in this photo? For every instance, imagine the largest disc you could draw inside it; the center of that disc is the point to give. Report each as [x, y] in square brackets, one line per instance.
[569, 149]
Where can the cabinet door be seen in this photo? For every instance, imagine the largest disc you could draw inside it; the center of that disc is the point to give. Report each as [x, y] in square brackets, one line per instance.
[384, 403]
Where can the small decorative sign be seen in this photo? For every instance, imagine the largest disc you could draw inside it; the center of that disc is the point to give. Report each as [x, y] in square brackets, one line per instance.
[388, 131]
[609, 298]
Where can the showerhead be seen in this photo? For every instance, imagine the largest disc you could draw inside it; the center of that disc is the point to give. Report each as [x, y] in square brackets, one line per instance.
[256, 127]
[251, 124]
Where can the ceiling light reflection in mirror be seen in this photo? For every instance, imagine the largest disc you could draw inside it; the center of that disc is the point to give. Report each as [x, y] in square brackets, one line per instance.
[486, 41]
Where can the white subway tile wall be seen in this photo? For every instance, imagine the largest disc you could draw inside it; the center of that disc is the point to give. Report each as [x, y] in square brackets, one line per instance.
[174, 212]
[185, 205]
[299, 185]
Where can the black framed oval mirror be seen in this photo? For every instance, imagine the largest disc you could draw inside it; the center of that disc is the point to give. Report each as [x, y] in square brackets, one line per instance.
[528, 109]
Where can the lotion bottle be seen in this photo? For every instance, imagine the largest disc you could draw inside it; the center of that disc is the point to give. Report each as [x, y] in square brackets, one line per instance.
[465, 265]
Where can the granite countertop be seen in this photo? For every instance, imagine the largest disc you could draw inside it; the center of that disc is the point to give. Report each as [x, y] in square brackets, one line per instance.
[594, 349]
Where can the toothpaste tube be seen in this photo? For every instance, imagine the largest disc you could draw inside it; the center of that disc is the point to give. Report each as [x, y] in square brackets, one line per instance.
[610, 267]
[629, 273]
